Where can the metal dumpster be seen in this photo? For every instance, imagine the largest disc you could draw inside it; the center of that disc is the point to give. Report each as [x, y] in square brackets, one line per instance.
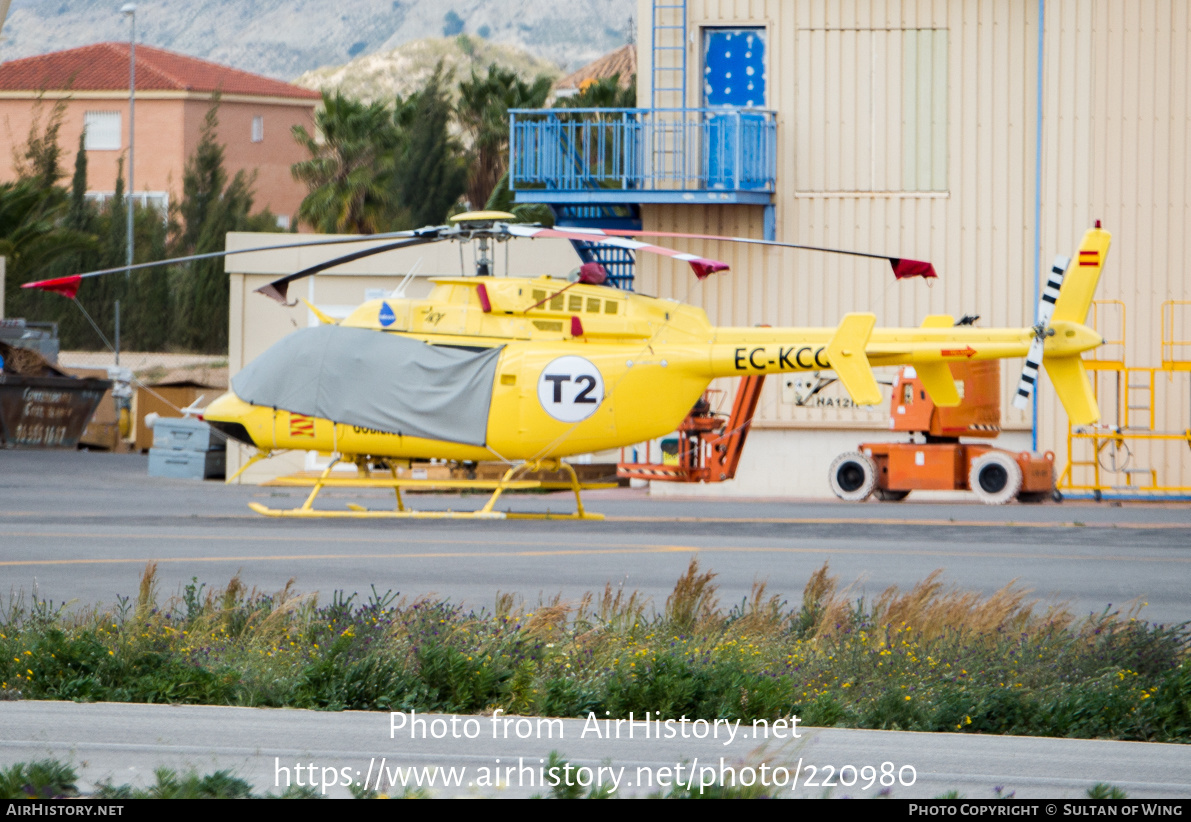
[40, 407]
[46, 412]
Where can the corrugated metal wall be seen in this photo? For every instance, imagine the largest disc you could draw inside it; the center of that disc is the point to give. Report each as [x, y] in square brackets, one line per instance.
[857, 87]
[1117, 113]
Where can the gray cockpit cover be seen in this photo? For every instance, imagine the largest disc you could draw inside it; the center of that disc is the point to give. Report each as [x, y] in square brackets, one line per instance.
[376, 380]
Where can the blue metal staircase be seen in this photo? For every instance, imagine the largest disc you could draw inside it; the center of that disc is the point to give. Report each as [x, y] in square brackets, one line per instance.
[618, 262]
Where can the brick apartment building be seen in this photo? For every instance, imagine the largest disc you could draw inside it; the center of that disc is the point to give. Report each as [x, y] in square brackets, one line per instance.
[173, 95]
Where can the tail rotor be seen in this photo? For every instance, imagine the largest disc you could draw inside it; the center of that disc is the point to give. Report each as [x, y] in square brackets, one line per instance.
[1046, 309]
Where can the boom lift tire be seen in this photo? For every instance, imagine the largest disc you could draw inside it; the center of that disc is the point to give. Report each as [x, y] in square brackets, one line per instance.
[886, 495]
[995, 478]
[853, 476]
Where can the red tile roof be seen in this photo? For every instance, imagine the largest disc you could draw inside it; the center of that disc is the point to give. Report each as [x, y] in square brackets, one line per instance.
[623, 61]
[104, 67]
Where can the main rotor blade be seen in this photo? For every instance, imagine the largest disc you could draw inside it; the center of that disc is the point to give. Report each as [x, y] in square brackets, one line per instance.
[902, 267]
[277, 289]
[702, 266]
[69, 286]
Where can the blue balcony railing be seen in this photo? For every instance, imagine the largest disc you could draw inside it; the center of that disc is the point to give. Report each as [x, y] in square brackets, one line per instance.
[642, 155]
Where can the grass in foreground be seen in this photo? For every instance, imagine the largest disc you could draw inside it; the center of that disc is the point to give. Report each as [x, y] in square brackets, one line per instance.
[927, 659]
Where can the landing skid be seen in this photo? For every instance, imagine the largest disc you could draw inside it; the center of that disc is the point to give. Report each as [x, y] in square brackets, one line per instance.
[365, 479]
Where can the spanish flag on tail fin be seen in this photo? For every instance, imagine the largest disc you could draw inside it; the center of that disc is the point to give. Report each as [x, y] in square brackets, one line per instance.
[1079, 285]
[1066, 370]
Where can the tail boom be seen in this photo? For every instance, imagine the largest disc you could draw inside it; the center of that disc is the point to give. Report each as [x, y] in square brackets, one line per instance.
[852, 351]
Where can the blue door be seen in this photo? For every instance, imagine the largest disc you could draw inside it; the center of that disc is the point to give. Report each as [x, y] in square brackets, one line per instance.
[734, 81]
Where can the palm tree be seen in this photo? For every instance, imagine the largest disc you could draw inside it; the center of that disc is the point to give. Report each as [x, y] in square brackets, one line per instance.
[33, 237]
[484, 104]
[349, 171]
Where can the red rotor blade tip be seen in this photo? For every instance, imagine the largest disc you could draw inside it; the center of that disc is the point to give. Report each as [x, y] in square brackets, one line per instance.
[66, 286]
[912, 268]
[705, 268]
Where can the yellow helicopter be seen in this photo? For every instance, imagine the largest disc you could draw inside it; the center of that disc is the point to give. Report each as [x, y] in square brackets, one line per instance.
[532, 371]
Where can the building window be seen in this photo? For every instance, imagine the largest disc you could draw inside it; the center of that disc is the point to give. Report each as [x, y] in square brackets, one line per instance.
[734, 68]
[258, 129]
[924, 110]
[159, 200]
[102, 130]
[872, 111]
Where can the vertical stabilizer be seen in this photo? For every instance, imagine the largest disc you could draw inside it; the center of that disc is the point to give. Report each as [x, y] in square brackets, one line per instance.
[849, 361]
[1071, 383]
[1079, 284]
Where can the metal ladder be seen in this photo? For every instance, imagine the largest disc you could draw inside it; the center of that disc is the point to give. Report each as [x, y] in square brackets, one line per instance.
[1138, 403]
[668, 40]
[668, 85]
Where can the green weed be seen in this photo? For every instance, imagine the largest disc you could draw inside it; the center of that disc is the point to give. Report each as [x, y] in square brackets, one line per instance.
[930, 658]
[1102, 790]
[45, 779]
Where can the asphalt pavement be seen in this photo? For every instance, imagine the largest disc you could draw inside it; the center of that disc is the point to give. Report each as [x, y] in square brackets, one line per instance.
[80, 527]
[509, 756]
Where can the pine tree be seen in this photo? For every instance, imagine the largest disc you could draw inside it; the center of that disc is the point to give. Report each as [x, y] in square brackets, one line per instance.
[202, 183]
[115, 249]
[210, 208]
[79, 214]
[55, 238]
[146, 310]
[431, 176]
[100, 298]
[73, 329]
[41, 160]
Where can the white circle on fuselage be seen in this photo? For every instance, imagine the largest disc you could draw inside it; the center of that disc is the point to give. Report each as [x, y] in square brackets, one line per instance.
[570, 389]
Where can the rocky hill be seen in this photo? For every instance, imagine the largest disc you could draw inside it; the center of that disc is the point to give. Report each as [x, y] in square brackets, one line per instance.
[384, 74]
[285, 38]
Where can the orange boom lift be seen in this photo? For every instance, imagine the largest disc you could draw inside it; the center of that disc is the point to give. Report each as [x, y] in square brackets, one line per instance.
[939, 460]
[709, 445]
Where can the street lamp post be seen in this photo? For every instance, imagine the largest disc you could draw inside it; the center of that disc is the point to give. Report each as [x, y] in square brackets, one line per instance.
[129, 11]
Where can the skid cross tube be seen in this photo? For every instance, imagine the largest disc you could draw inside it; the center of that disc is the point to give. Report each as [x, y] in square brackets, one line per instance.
[364, 479]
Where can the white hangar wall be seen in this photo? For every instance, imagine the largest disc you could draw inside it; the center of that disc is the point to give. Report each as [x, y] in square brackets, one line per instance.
[911, 127]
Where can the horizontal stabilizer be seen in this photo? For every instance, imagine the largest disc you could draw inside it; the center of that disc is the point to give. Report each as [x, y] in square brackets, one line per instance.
[848, 360]
[1071, 383]
[936, 378]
